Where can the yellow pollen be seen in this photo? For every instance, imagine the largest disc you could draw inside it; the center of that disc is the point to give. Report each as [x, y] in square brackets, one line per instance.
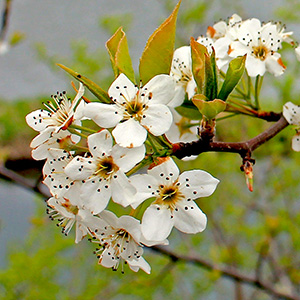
[260, 52]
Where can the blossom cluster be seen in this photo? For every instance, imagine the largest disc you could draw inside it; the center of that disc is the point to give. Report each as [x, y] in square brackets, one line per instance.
[259, 41]
[123, 155]
[82, 180]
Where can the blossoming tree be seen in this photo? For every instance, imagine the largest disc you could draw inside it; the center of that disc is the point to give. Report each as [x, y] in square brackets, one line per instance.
[123, 145]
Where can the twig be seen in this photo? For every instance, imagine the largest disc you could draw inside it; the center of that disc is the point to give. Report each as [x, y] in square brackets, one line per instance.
[225, 272]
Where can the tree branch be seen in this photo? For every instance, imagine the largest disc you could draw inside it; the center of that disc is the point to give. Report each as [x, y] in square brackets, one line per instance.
[225, 272]
[181, 150]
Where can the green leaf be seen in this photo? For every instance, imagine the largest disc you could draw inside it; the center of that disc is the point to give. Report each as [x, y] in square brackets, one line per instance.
[188, 110]
[93, 87]
[210, 109]
[198, 63]
[158, 53]
[118, 51]
[233, 75]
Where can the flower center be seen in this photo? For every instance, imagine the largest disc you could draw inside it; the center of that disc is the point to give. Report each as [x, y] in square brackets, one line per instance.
[106, 167]
[260, 52]
[134, 109]
[69, 207]
[169, 195]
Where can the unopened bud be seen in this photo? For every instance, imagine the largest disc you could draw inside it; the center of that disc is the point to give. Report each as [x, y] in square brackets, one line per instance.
[247, 168]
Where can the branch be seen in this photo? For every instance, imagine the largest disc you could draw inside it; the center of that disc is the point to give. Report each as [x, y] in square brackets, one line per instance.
[225, 272]
[181, 150]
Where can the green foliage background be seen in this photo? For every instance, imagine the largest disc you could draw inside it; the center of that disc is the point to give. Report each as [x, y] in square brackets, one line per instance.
[243, 228]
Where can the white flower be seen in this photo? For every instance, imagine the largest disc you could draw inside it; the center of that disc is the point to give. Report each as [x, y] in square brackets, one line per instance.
[261, 44]
[53, 123]
[103, 174]
[174, 195]
[135, 110]
[207, 42]
[58, 182]
[120, 240]
[297, 52]
[67, 213]
[181, 71]
[291, 112]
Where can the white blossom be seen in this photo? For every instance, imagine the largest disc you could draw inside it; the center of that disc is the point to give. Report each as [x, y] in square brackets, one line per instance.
[54, 121]
[135, 111]
[103, 173]
[120, 241]
[174, 195]
[291, 113]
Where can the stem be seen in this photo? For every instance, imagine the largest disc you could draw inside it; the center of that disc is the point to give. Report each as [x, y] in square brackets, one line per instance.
[82, 128]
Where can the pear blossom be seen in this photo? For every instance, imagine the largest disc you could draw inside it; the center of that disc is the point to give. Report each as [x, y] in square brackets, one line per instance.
[174, 195]
[103, 173]
[291, 112]
[68, 214]
[120, 241]
[181, 71]
[260, 43]
[53, 122]
[135, 111]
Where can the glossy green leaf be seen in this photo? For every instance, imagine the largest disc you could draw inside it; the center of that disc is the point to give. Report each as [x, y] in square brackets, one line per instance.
[158, 53]
[118, 51]
[198, 52]
[210, 109]
[93, 87]
[233, 75]
[189, 110]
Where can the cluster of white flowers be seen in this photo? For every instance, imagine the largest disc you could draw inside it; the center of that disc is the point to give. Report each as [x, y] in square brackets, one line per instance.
[237, 37]
[86, 167]
[84, 174]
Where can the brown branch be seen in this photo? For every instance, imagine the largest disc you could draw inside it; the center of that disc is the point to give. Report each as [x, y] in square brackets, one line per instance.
[181, 150]
[225, 272]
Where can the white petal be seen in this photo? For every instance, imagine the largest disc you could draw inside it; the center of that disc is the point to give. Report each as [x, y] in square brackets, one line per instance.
[108, 258]
[42, 137]
[178, 96]
[157, 223]
[197, 183]
[122, 190]
[296, 142]
[291, 112]
[130, 134]
[274, 64]
[39, 119]
[127, 158]
[122, 87]
[100, 143]
[104, 115]
[161, 87]
[96, 194]
[189, 218]
[132, 226]
[80, 168]
[297, 52]
[141, 263]
[146, 186]
[110, 218]
[157, 119]
[166, 172]
[255, 66]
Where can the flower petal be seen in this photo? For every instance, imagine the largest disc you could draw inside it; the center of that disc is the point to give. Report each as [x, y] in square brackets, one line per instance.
[197, 183]
[39, 119]
[296, 142]
[141, 263]
[100, 143]
[160, 88]
[126, 158]
[146, 186]
[189, 218]
[122, 88]
[157, 119]
[122, 190]
[104, 115]
[157, 223]
[291, 113]
[80, 168]
[130, 134]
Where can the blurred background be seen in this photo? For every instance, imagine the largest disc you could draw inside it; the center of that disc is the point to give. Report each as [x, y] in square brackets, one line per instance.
[250, 232]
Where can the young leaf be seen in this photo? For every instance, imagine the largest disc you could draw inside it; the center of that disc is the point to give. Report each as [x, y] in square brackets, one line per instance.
[210, 109]
[234, 73]
[188, 110]
[117, 48]
[198, 63]
[158, 53]
[93, 87]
